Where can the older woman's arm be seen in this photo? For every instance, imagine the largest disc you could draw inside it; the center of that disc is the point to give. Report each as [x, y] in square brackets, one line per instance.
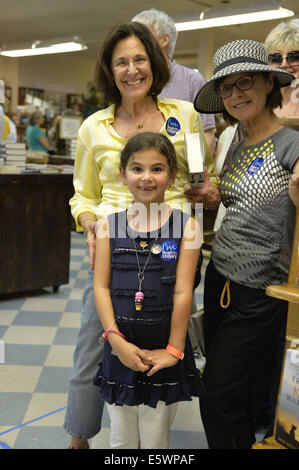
[87, 195]
[294, 184]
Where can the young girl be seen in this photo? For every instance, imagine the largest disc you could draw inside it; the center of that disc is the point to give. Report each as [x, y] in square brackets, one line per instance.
[145, 274]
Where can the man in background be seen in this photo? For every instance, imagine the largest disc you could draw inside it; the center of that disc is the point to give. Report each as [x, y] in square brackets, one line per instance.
[184, 83]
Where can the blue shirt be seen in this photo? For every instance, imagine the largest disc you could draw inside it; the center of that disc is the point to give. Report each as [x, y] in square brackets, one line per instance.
[34, 133]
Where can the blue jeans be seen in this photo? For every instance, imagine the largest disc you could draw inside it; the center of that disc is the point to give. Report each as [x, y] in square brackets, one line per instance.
[85, 406]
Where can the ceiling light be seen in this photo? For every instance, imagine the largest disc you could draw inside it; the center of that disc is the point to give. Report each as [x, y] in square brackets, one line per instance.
[45, 47]
[247, 12]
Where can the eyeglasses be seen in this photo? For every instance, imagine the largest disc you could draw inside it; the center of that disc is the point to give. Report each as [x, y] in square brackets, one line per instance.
[242, 84]
[138, 62]
[291, 58]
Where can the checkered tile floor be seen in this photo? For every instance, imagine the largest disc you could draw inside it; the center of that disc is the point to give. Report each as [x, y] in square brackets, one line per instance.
[38, 332]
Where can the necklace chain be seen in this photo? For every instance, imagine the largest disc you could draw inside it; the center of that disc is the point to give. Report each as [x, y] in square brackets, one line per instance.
[140, 125]
[141, 273]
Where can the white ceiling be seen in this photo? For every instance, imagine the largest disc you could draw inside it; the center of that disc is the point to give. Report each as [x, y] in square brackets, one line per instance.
[29, 20]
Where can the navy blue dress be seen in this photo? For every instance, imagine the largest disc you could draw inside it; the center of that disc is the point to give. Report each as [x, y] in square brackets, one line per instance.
[150, 327]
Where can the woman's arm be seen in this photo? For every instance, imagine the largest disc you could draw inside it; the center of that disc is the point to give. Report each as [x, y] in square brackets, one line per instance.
[44, 142]
[88, 221]
[294, 184]
[86, 180]
[129, 354]
[182, 298]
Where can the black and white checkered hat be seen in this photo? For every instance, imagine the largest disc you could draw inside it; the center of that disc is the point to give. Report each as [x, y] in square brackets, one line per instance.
[235, 57]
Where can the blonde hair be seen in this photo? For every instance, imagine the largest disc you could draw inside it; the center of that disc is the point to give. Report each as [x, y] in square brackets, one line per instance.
[284, 35]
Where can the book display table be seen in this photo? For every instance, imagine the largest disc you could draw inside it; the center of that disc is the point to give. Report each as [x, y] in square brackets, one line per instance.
[35, 225]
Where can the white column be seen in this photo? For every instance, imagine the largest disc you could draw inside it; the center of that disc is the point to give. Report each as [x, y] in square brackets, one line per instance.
[206, 51]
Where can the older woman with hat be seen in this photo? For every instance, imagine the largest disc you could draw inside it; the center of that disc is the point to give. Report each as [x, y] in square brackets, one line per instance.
[252, 248]
[131, 71]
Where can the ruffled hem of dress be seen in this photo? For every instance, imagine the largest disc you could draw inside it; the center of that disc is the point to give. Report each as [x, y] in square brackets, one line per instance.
[149, 394]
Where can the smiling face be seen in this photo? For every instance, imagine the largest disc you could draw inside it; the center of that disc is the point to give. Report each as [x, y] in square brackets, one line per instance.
[292, 68]
[134, 81]
[250, 104]
[147, 176]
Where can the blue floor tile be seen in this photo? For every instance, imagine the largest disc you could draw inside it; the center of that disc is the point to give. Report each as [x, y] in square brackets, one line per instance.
[25, 354]
[80, 284]
[26, 317]
[12, 303]
[13, 407]
[73, 306]
[67, 336]
[53, 380]
[39, 437]
[3, 329]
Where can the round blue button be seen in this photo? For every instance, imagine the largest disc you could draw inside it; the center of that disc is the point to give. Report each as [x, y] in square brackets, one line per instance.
[172, 126]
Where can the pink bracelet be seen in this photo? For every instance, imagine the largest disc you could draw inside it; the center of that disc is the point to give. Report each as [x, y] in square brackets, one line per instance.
[117, 332]
[104, 336]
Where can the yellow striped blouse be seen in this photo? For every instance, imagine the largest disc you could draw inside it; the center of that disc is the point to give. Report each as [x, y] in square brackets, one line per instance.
[98, 188]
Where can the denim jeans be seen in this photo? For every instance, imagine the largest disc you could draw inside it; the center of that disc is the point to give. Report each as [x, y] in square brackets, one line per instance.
[85, 406]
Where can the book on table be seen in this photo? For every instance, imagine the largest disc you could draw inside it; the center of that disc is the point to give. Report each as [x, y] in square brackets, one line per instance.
[287, 425]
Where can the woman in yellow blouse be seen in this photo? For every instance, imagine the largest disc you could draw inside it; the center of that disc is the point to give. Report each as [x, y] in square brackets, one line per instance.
[131, 71]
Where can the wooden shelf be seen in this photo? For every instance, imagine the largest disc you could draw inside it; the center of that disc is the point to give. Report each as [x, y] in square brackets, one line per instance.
[285, 292]
[268, 444]
[35, 224]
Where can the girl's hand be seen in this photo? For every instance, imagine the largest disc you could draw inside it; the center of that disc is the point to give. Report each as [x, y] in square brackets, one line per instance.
[133, 357]
[160, 359]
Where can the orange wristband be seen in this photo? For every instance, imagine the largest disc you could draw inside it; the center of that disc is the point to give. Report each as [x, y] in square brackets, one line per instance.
[175, 352]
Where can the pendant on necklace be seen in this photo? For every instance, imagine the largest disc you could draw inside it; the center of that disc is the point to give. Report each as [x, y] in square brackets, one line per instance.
[156, 249]
[139, 126]
[139, 296]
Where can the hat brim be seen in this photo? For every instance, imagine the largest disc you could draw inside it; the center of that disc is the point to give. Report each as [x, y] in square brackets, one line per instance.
[208, 100]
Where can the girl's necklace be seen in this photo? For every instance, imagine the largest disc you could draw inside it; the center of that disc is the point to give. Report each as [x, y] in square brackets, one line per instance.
[139, 296]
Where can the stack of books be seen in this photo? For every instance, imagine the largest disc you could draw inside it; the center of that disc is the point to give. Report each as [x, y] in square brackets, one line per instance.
[15, 154]
[73, 148]
[2, 153]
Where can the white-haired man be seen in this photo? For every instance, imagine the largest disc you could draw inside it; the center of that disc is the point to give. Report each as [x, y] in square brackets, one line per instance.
[184, 82]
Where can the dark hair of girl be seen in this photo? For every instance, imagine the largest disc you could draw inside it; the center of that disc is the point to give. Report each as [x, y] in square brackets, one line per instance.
[149, 140]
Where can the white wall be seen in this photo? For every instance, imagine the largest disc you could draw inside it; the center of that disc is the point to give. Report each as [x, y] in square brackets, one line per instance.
[68, 73]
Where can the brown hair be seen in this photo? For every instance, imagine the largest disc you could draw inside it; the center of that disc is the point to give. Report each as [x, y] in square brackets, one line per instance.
[274, 98]
[149, 140]
[103, 72]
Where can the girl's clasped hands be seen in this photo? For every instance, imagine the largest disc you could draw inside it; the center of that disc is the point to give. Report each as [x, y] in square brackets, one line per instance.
[142, 360]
